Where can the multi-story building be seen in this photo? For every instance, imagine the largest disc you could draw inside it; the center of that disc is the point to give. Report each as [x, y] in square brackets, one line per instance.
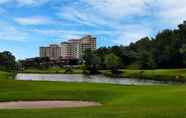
[73, 49]
[44, 52]
[87, 42]
[65, 50]
[53, 51]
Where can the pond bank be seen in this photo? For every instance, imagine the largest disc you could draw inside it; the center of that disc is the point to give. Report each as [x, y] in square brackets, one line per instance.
[80, 78]
[174, 75]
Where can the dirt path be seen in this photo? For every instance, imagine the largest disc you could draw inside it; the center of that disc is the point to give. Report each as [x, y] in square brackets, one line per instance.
[46, 104]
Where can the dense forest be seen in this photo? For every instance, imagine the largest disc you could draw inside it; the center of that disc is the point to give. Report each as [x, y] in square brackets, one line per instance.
[166, 50]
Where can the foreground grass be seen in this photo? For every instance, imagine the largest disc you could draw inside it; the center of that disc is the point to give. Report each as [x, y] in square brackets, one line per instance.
[118, 101]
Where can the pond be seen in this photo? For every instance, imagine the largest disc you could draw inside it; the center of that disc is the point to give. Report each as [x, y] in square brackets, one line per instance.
[85, 78]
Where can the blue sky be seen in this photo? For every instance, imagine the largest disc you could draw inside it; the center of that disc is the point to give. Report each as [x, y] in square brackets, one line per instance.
[27, 24]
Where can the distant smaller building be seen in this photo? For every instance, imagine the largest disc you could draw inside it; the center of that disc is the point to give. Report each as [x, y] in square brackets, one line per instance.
[53, 51]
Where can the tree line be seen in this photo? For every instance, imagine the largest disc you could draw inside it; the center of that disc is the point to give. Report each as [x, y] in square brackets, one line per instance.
[166, 50]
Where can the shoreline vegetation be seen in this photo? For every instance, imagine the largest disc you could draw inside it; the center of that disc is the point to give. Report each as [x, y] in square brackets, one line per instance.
[7, 75]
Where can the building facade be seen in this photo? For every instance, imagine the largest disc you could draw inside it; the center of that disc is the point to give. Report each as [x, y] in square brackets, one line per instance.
[72, 49]
[53, 51]
[75, 48]
[87, 42]
[65, 50]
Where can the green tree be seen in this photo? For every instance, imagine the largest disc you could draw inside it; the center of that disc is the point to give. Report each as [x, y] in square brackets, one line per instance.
[167, 47]
[146, 60]
[101, 52]
[112, 62]
[183, 52]
[7, 61]
[91, 61]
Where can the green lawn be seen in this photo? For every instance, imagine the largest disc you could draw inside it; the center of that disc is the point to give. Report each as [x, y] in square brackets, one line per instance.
[6, 75]
[118, 101]
[52, 70]
[158, 74]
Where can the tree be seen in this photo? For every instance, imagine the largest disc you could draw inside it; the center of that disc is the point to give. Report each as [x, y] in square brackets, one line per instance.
[112, 62]
[101, 52]
[146, 60]
[7, 61]
[36, 63]
[183, 52]
[167, 47]
[92, 61]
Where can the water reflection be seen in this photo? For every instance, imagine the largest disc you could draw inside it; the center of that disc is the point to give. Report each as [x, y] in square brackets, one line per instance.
[84, 78]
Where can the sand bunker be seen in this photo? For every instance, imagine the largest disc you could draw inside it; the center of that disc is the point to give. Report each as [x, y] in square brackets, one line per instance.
[46, 104]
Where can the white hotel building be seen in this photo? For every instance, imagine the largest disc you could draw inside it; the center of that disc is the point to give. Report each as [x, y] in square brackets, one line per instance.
[73, 49]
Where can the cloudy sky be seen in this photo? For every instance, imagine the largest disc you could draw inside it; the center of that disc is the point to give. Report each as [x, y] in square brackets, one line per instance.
[27, 24]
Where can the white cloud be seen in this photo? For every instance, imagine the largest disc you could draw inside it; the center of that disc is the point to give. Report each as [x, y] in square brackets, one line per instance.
[4, 1]
[112, 13]
[85, 17]
[109, 14]
[102, 12]
[117, 8]
[31, 2]
[59, 33]
[25, 2]
[34, 20]
[8, 32]
[172, 11]
[132, 33]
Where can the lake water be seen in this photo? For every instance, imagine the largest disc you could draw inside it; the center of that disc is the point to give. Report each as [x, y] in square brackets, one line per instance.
[84, 78]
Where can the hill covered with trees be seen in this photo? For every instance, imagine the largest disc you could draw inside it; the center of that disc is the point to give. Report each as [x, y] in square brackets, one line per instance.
[166, 50]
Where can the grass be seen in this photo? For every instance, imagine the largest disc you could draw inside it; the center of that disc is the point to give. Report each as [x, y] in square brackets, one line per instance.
[53, 70]
[6, 75]
[118, 101]
[157, 74]
[178, 75]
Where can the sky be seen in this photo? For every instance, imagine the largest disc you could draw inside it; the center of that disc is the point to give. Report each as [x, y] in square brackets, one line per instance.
[25, 25]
